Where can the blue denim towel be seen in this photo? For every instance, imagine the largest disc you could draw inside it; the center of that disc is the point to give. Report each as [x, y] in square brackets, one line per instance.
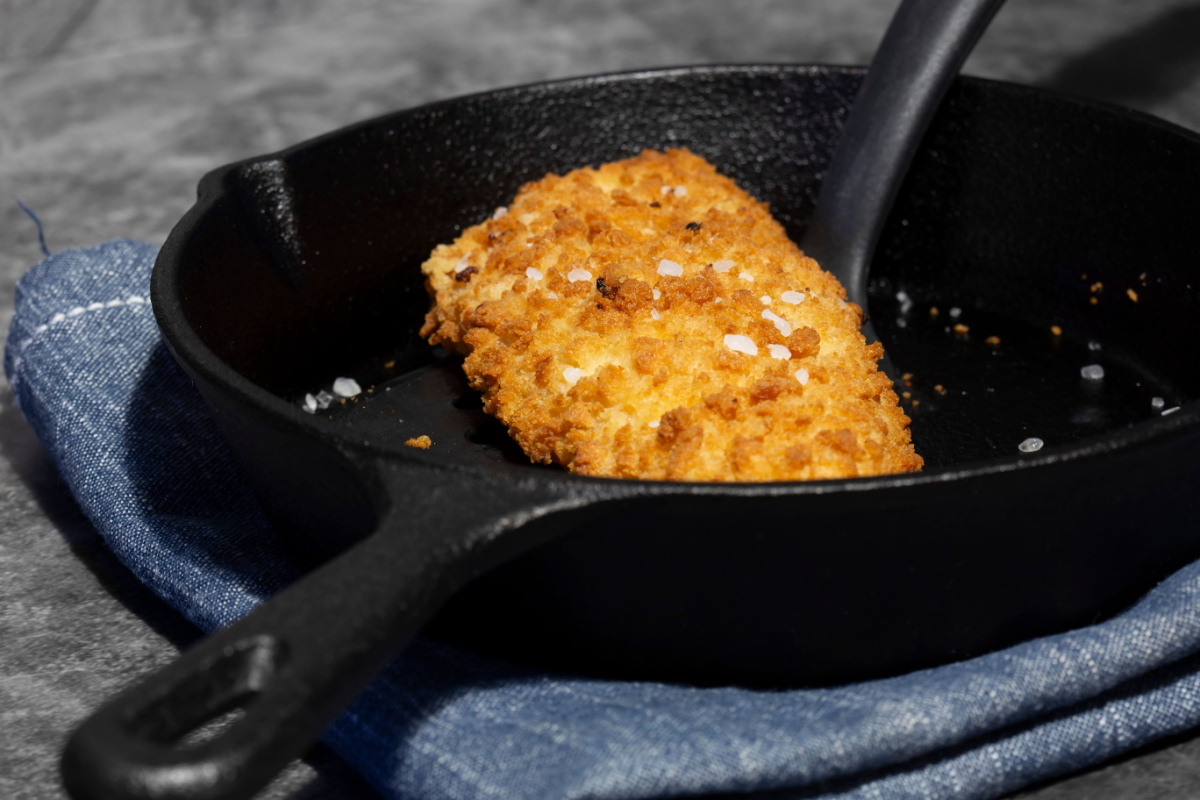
[134, 443]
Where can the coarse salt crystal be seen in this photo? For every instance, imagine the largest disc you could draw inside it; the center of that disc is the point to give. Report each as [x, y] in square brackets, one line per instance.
[324, 398]
[527, 218]
[656, 293]
[802, 376]
[572, 375]
[654, 314]
[741, 344]
[781, 324]
[310, 404]
[1094, 346]
[746, 276]
[666, 190]
[779, 351]
[1092, 372]
[1157, 402]
[681, 191]
[461, 265]
[765, 299]
[1030, 445]
[1170, 410]
[533, 273]
[346, 387]
[579, 274]
[654, 424]
[904, 300]
[719, 300]
[552, 295]
[794, 298]
[724, 265]
[500, 213]
[955, 312]
[669, 267]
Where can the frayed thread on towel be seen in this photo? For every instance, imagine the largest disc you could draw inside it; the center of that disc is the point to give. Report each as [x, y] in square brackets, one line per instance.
[38, 222]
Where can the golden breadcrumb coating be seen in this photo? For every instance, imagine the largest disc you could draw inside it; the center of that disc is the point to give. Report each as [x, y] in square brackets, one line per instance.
[649, 319]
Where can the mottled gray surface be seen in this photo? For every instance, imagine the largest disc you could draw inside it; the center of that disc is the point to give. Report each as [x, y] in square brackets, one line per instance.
[110, 110]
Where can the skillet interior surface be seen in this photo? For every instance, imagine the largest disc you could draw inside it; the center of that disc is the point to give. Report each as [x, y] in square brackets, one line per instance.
[1023, 212]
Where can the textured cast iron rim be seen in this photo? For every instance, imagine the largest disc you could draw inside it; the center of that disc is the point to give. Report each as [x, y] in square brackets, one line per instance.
[189, 348]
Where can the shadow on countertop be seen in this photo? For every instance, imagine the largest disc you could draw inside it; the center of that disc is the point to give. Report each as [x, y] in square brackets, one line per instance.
[1142, 66]
[334, 779]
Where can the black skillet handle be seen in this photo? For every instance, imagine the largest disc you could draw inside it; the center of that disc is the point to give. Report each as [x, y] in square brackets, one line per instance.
[295, 662]
[925, 45]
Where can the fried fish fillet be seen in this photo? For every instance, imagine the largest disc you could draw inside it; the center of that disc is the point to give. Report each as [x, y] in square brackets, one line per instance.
[649, 319]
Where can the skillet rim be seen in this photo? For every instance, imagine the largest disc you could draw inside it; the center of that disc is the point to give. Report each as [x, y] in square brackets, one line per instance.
[194, 355]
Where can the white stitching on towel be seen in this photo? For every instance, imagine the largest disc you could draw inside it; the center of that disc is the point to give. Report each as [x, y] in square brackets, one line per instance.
[134, 300]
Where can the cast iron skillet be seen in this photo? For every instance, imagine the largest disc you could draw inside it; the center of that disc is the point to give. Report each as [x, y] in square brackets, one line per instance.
[299, 267]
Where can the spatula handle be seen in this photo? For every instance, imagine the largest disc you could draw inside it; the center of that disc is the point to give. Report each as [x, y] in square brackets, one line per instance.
[924, 47]
[295, 662]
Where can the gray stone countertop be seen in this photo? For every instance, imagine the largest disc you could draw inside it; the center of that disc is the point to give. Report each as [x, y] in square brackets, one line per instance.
[111, 110]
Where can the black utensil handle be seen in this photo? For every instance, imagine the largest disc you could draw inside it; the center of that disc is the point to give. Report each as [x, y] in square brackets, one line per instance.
[925, 44]
[294, 663]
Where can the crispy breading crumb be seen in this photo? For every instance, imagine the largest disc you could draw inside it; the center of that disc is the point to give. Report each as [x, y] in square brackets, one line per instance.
[618, 324]
[420, 442]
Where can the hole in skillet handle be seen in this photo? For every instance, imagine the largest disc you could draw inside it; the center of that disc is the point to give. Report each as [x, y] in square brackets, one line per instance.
[211, 701]
[160, 738]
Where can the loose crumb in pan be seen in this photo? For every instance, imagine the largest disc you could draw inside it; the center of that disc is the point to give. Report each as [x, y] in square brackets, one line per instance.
[687, 341]
[421, 442]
